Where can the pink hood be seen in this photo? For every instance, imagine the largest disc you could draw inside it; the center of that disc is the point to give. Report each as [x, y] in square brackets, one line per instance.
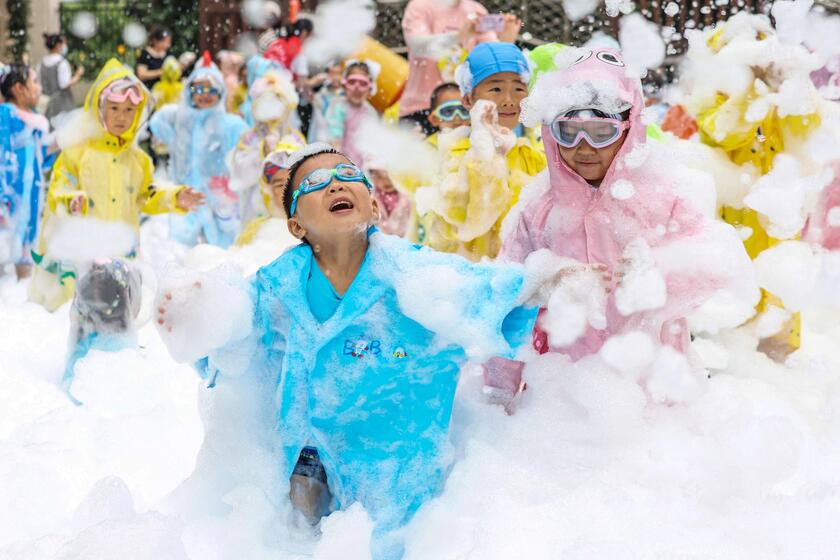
[636, 201]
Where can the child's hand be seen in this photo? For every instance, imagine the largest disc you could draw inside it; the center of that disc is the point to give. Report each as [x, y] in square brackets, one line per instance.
[187, 199]
[467, 30]
[77, 205]
[166, 318]
[511, 31]
[199, 312]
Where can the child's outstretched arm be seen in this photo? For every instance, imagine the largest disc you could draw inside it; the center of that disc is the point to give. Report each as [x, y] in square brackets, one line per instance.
[157, 200]
[162, 124]
[202, 314]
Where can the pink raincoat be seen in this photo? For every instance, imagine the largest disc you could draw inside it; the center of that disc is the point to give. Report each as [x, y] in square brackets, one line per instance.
[636, 201]
[423, 20]
[824, 225]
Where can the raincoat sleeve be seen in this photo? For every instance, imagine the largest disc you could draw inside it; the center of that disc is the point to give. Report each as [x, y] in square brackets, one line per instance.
[245, 162]
[64, 183]
[261, 350]
[697, 258]
[235, 127]
[154, 200]
[482, 184]
[483, 301]
[516, 238]
[162, 124]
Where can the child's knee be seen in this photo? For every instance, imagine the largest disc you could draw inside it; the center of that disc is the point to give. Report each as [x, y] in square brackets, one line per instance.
[308, 488]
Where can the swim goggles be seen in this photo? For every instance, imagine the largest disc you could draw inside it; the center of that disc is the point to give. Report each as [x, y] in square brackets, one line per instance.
[597, 131]
[201, 90]
[120, 90]
[451, 110]
[356, 82]
[321, 178]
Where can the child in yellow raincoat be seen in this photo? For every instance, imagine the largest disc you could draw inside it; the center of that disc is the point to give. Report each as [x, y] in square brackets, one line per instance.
[485, 165]
[169, 88]
[100, 175]
[751, 127]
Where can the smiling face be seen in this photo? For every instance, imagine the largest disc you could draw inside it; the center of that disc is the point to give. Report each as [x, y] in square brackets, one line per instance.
[119, 116]
[339, 209]
[506, 90]
[591, 163]
[202, 96]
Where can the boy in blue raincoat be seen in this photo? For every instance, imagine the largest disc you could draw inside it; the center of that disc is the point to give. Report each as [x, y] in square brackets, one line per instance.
[362, 336]
[200, 134]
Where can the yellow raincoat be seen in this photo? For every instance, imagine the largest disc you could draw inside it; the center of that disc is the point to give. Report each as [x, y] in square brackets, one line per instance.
[724, 126]
[113, 176]
[476, 195]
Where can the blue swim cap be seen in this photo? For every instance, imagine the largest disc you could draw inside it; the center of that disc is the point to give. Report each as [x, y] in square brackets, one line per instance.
[487, 59]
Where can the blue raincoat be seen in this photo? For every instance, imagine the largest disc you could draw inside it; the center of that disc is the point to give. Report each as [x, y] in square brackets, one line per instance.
[199, 142]
[372, 388]
[24, 161]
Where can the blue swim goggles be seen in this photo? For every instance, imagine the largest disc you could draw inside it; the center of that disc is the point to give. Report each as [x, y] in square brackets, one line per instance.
[321, 178]
[201, 90]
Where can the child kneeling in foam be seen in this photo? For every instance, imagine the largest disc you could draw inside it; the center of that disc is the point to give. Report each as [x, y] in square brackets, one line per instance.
[362, 336]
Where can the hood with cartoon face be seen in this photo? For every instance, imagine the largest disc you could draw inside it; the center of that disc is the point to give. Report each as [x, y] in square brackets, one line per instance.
[112, 71]
[585, 79]
[274, 96]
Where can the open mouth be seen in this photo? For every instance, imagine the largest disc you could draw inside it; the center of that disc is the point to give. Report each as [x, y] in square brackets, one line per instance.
[341, 205]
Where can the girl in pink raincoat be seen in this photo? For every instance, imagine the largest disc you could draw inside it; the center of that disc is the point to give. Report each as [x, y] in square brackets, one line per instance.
[612, 200]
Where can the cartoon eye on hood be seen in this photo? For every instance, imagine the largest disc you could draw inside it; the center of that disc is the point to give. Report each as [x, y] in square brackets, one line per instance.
[583, 56]
[610, 58]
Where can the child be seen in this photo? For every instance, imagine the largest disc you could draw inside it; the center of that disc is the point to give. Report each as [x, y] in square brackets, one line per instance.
[102, 176]
[346, 115]
[485, 166]
[728, 120]
[105, 307]
[347, 327]
[447, 111]
[24, 161]
[606, 201]
[331, 91]
[200, 134]
[169, 89]
[274, 100]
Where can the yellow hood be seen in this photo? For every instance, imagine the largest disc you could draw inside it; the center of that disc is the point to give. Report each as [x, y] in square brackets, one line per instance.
[112, 71]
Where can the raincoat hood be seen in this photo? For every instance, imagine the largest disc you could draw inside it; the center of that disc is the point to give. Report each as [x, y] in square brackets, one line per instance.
[112, 71]
[273, 84]
[206, 70]
[592, 79]
[171, 70]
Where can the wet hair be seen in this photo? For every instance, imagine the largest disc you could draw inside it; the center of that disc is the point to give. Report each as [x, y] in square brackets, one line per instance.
[52, 40]
[438, 91]
[158, 34]
[302, 25]
[16, 74]
[288, 190]
[358, 65]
